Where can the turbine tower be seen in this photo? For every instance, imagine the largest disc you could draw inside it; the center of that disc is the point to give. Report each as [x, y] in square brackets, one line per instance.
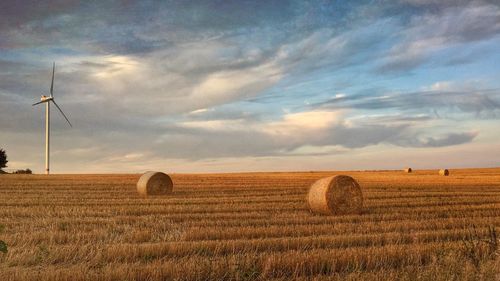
[47, 100]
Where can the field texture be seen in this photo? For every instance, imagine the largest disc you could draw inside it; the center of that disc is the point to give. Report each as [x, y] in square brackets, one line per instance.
[255, 226]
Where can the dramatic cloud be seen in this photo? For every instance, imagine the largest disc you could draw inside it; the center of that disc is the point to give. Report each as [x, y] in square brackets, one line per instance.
[204, 86]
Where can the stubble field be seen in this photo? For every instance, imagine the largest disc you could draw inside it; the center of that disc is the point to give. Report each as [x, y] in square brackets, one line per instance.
[250, 226]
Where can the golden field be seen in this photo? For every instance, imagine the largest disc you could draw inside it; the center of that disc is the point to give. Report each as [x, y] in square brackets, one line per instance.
[250, 226]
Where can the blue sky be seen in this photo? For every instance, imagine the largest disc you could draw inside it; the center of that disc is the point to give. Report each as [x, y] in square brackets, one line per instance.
[220, 86]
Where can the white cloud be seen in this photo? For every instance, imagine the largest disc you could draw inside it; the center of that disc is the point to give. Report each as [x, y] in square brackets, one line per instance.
[471, 85]
[441, 86]
[292, 125]
[198, 111]
[222, 86]
[303, 124]
[116, 66]
[217, 125]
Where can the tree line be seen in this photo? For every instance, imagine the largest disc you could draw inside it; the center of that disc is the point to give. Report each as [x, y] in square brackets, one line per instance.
[4, 161]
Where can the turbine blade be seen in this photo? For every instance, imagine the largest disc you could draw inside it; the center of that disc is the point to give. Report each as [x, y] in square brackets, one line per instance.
[60, 110]
[38, 103]
[52, 84]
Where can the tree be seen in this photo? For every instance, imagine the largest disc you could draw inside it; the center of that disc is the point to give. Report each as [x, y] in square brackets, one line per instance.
[3, 159]
[27, 171]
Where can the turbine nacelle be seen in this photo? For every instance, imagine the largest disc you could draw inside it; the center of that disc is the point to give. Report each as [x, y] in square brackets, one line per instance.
[46, 98]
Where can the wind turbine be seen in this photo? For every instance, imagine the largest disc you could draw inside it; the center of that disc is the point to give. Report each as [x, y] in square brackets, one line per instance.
[47, 100]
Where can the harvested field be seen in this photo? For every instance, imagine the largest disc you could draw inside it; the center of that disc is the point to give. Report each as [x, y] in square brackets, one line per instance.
[249, 226]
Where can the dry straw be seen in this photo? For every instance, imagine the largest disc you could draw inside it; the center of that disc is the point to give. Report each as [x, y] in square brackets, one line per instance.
[154, 183]
[408, 170]
[335, 195]
[444, 172]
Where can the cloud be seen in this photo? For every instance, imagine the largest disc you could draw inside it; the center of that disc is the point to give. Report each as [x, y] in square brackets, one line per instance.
[442, 3]
[184, 78]
[292, 128]
[215, 138]
[441, 97]
[450, 139]
[319, 132]
[297, 125]
[220, 87]
[429, 33]
[163, 83]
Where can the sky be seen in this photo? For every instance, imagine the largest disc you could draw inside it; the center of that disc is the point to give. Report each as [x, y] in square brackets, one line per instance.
[225, 86]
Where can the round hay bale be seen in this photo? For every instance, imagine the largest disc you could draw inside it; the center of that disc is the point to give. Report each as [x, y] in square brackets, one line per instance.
[444, 172]
[154, 183]
[408, 170]
[335, 195]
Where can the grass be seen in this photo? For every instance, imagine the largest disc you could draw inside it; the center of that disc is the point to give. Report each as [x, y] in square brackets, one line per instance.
[250, 226]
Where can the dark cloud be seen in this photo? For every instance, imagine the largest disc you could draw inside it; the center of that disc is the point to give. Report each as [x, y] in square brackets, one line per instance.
[440, 141]
[450, 139]
[123, 27]
[16, 13]
[362, 136]
[480, 102]
[432, 5]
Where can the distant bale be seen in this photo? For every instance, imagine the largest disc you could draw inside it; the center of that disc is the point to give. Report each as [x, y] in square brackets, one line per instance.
[444, 172]
[408, 170]
[154, 183]
[335, 195]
